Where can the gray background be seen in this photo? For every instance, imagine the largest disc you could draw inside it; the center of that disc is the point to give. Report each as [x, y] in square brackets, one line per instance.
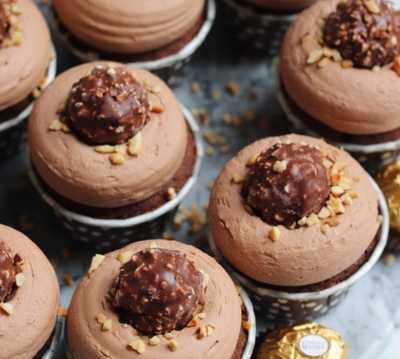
[369, 318]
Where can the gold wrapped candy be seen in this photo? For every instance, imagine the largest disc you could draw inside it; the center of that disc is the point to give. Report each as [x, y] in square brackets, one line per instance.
[389, 181]
[303, 342]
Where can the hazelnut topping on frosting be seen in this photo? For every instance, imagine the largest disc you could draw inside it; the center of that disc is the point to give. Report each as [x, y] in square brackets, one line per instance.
[158, 291]
[109, 106]
[286, 183]
[363, 31]
[4, 23]
[8, 273]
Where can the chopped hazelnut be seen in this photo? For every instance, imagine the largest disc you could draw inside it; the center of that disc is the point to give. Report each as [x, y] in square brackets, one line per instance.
[280, 166]
[154, 341]
[171, 193]
[173, 345]
[315, 56]
[106, 325]
[274, 234]
[135, 145]
[124, 257]
[96, 261]
[19, 279]
[105, 149]
[7, 308]
[138, 346]
[117, 159]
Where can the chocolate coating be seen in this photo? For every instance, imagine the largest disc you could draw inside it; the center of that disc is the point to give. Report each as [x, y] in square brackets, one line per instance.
[158, 291]
[286, 183]
[8, 272]
[365, 37]
[109, 106]
[4, 23]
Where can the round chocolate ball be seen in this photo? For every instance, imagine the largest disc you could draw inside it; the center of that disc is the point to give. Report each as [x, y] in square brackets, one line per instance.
[8, 272]
[4, 23]
[109, 106]
[158, 291]
[286, 183]
[363, 32]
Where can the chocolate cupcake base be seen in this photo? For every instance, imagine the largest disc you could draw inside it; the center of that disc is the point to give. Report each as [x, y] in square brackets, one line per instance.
[371, 151]
[168, 62]
[115, 232]
[13, 121]
[308, 303]
[257, 29]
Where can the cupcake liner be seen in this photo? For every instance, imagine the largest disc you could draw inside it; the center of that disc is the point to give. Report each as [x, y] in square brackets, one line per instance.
[55, 346]
[394, 241]
[12, 132]
[252, 333]
[112, 233]
[169, 68]
[290, 308]
[261, 31]
[372, 157]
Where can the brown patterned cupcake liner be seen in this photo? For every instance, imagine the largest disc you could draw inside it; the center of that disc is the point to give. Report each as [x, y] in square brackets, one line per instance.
[289, 308]
[394, 241]
[371, 156]
[169, 68]
[13, 131]
[259, 31]
[113, 233]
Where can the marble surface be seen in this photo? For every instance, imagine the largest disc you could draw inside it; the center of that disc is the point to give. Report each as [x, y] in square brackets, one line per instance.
[369, 318]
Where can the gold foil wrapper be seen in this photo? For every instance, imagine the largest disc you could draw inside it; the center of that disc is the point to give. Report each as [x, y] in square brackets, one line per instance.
[389, 181]
[303, 342]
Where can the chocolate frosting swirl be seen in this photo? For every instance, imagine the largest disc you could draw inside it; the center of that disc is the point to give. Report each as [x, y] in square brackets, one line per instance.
[363, 32]
[8, 272]
[286, 183]
[4, 24]
[158, 291]
[109, 106]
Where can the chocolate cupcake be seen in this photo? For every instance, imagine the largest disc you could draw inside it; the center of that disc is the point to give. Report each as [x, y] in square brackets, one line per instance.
[113, 152]
[159, 299]
[261, 24]
[157, 36]
[27, 64]
[29, 298]
[297, 221]
[340, 77]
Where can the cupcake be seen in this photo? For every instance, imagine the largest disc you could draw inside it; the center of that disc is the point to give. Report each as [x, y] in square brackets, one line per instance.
[159, 299]
[158, 36]
[27, 64]
[297, 221]
[262, 24]
[339, 73]
[29, 298]
[112, 152]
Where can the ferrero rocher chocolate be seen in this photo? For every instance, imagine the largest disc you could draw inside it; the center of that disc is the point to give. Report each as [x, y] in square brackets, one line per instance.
[363, 32]
[4, 23]
[286, 183]
[158, 291]
[389, 181]
[303, 342]
[108, 106]
[8, 272]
